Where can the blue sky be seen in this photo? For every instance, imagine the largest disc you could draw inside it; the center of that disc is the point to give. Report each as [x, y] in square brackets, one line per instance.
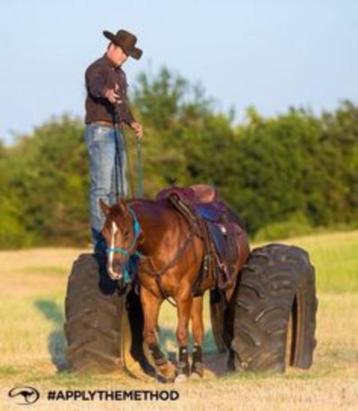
[269, 53]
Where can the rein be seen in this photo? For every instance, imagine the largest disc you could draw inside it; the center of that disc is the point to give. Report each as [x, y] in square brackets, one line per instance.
[158, 273]
[128, 252]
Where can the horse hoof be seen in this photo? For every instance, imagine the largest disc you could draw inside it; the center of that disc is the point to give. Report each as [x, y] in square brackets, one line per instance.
[180, 378]
[167, 371]
[197, 370]
[196, 376]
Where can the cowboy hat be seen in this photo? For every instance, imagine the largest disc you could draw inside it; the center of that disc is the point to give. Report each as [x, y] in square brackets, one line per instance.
[126, 41]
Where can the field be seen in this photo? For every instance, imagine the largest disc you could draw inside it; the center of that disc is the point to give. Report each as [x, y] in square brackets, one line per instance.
[32, 344]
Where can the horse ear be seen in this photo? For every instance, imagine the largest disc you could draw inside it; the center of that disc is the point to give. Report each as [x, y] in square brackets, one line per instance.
[123, 205]
[104, 207]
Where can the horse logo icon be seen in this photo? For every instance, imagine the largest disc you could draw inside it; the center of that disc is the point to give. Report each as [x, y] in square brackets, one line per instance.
[29, 394]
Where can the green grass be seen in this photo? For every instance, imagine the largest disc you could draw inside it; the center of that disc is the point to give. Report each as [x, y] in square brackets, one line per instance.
[32, 343]
[335, 257]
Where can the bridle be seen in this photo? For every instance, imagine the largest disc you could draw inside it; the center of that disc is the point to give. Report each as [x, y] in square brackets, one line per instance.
[129, 251]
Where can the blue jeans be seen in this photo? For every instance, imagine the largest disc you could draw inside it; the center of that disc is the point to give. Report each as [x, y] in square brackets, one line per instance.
[108, 175]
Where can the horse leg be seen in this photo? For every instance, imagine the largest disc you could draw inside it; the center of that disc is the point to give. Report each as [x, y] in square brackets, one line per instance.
[197, 327]
[182, 334]
[151, 305]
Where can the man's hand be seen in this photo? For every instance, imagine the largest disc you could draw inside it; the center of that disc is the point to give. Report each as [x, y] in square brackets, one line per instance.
[138, 129]
[112, 96]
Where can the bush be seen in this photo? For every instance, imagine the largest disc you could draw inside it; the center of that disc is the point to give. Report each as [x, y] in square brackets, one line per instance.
[296, 225]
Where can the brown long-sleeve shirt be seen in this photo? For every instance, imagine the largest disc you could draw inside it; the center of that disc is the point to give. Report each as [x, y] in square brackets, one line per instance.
[99, 77]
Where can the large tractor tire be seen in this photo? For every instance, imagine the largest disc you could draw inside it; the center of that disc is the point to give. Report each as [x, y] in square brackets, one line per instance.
[97, 326]
[274, 311]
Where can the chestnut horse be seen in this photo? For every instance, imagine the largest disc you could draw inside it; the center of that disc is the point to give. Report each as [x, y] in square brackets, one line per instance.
[171, 256]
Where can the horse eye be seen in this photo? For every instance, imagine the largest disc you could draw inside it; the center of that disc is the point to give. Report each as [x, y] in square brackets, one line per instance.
[125, 233]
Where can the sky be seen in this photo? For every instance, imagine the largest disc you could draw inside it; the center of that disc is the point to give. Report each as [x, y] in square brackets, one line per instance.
[272, 54]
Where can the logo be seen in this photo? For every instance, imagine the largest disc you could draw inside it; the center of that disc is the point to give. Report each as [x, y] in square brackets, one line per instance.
[25, 395]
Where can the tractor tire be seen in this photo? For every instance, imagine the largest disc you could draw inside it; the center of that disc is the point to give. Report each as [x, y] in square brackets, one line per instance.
[96, 327]
[274, 311]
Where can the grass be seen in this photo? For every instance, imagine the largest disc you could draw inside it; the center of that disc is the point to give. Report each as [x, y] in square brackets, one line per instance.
[32, 343]
[335, 258]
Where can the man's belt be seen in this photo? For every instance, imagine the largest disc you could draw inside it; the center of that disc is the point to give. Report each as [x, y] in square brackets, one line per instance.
[108, 123]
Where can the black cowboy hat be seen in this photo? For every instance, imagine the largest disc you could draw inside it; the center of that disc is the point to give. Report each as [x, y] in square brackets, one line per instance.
[126, 41]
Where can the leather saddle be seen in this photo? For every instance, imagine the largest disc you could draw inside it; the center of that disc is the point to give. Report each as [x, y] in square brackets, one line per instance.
[201, 206]
[197, 193]
[202, 198]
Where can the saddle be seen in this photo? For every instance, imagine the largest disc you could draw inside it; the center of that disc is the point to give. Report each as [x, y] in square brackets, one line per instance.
[210, 218]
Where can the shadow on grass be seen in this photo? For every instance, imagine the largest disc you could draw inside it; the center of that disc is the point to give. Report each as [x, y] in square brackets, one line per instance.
[56, 339]
[167, 335]
[57, 342]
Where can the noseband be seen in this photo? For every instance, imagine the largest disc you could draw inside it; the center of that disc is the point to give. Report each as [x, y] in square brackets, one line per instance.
[128, 251]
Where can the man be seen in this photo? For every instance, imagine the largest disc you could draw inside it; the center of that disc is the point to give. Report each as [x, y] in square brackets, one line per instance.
[107, 111]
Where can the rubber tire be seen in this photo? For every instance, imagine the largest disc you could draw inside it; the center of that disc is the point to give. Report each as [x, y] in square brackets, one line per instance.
[95, 319]
[276, 283]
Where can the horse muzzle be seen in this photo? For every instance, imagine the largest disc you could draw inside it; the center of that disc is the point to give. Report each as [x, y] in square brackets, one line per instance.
[115, 269]
[114, 276]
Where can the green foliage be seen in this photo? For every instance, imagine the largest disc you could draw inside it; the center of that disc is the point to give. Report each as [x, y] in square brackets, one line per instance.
[296, 225]
[285, 175]
[46, 177]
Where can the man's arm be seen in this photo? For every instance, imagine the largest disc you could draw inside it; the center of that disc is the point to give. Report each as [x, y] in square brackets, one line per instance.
[128, 118]
[96, 81]
[125, 111]
[127, 115]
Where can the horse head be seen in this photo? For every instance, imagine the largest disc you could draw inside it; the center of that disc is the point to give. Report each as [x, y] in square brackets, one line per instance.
[120, 231]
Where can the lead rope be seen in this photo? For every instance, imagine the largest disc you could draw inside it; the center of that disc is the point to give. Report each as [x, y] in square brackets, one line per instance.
[139, 192]
[117, 159]
[129, 164]
[139, 170]
[119, 164]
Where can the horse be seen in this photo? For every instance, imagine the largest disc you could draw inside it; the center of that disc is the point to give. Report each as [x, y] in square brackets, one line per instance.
[170, 259]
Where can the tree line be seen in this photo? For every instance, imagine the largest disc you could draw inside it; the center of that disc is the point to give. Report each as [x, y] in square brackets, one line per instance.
[285, 175]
